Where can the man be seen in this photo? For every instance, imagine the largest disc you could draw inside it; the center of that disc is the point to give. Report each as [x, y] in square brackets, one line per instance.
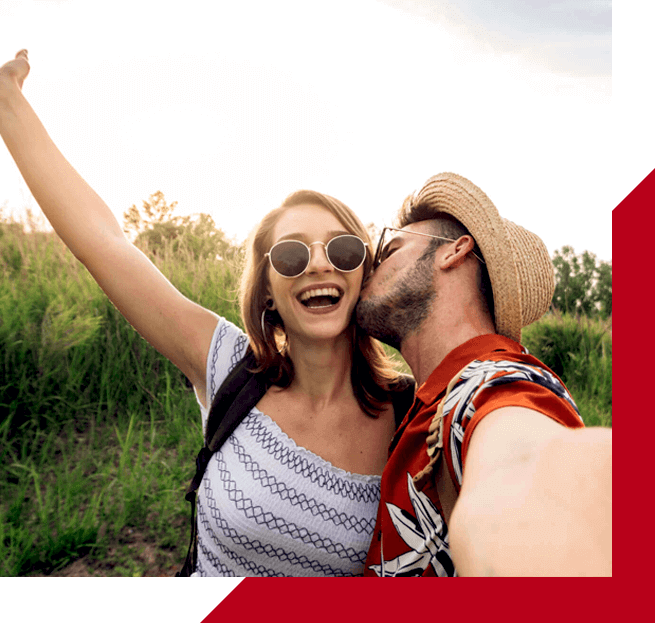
[499, 477]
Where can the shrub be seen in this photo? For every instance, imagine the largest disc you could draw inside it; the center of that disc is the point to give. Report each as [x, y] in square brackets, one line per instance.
[579, 351]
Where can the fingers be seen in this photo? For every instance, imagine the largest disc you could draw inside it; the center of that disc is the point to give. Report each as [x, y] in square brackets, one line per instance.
[18, 68]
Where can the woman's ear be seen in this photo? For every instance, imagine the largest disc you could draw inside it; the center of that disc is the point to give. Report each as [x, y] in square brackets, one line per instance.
[270, 303]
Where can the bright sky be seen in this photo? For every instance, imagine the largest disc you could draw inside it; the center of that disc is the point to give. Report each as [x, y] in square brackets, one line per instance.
[227, 107]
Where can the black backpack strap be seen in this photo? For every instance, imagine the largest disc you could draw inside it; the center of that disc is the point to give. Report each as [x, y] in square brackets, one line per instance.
[402, 396]
[239, 392]
[228, 391]
[251, 393]
[237, 395]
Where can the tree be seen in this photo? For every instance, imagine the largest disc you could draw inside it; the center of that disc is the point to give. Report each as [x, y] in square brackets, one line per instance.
[155, 227]
[583, 284]
[604, 289]
[156, 211]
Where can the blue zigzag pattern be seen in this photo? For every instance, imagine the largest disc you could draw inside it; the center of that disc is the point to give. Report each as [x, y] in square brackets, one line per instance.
[239, 351]
[278, 524]
[217, 347]
[349, 522]
[277, 552]
[361, 492]
[225, 571]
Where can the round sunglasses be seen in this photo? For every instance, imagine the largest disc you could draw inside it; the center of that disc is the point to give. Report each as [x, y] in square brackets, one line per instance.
[290, 258]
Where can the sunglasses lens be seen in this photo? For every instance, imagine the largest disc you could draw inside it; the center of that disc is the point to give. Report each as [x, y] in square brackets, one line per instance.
[346, 253]
[289, 258]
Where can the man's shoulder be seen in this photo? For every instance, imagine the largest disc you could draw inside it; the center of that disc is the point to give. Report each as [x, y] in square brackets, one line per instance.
[501, 381]
[493, 353]
[484, 355]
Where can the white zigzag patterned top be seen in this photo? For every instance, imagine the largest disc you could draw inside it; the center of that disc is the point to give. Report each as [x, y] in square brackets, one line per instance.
[269, 508]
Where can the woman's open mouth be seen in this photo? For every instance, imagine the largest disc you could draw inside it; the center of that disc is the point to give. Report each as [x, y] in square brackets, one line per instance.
[320, 298]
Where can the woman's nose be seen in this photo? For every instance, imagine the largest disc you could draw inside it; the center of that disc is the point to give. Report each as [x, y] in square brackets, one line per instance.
[318, 260]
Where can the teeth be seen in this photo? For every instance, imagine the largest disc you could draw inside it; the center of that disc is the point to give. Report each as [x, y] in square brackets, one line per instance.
[308, 294]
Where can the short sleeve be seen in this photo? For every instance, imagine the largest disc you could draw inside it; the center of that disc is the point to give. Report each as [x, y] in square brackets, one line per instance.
[228, 347]
[485, 386]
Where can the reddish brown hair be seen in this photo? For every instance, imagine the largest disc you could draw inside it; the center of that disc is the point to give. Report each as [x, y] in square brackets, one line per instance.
[372, 372]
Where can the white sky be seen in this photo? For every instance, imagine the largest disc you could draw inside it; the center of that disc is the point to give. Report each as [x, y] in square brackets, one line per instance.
[228, 107]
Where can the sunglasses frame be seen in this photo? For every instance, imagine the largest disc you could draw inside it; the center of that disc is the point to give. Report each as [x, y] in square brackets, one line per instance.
[378, 251]
[309, 254]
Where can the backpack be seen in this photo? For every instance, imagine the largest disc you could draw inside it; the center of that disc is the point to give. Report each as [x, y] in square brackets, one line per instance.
[239, 393]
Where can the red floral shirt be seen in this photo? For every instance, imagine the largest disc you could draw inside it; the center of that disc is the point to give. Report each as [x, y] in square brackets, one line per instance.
[411, 536]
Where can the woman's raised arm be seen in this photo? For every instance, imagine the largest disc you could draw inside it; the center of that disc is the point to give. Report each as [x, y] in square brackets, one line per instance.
[178, 328]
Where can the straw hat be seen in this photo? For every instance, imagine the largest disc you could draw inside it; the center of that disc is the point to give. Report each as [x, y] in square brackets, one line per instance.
[520, 269]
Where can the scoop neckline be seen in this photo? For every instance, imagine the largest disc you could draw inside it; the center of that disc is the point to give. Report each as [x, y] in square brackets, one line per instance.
[339, 471]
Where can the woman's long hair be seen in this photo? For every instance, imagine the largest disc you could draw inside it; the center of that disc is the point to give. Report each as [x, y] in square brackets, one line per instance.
[372, 372]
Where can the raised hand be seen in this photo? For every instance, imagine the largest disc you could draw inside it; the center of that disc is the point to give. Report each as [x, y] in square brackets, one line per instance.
[177, 327]
[16, 70]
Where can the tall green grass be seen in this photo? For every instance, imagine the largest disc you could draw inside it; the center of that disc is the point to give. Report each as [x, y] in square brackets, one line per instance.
[579, 351]
[98, 432]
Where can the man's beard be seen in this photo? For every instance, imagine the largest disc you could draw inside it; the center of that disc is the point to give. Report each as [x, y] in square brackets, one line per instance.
[394, 315]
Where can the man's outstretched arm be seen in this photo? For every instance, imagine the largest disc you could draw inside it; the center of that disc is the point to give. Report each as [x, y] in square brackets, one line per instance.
[536, 499]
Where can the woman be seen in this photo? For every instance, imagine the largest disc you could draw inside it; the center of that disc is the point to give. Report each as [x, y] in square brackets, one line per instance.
[294, 490]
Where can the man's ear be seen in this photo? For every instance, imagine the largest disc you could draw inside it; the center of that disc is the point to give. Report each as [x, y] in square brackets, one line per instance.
[456, 252]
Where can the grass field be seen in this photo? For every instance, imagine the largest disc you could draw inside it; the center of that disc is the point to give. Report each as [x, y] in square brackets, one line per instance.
[98, 432]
